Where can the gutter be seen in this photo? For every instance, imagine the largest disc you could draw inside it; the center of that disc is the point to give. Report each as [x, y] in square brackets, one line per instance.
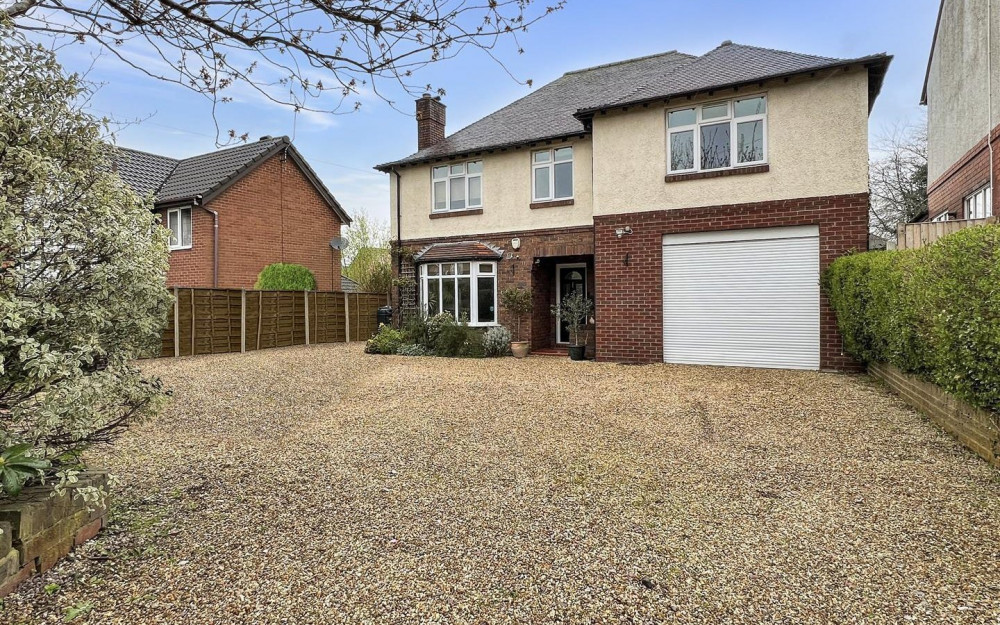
[989, 96]
[197, 201]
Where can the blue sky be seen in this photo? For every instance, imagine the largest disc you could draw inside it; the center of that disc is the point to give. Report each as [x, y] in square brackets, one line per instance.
[343, 148]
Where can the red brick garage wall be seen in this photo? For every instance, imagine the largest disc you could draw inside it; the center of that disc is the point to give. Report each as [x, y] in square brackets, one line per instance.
[629, 299]
[273, 214]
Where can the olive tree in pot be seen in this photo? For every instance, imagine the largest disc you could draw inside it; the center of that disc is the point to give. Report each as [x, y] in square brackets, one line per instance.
[575, 310]
[517, 301]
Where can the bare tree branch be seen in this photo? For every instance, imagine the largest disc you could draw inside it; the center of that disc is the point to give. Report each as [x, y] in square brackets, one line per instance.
[897, 178]
[294, 53]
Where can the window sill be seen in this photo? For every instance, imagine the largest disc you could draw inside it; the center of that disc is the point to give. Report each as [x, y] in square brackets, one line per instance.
[718, 173]
[551, 203]
[461, 213]
[180, 248]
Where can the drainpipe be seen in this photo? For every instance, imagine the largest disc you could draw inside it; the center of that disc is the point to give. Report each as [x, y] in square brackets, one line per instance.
[989, 96]
[399, 241]
[215, 240]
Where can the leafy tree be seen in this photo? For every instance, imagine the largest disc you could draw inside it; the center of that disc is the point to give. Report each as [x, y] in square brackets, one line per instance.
[367, 256]
[289, 52]
[285, 277]
[82, 272]
[898, 178]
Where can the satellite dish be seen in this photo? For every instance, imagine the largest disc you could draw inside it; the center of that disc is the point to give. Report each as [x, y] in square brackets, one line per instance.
[337, 243]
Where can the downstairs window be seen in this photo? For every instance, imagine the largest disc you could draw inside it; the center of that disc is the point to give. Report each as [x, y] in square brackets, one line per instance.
[465, 290]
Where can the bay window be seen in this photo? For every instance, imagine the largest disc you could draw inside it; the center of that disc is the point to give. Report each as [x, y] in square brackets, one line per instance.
[717, 135]
[458, 186]
[466, 290]
[179, 224]
[979, 205]
[552, 174]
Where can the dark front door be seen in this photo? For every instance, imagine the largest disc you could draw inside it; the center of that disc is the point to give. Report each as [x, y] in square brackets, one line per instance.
[572, 279]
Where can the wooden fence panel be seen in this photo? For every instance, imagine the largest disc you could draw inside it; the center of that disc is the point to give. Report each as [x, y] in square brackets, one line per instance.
[218, 321]
[915, 236]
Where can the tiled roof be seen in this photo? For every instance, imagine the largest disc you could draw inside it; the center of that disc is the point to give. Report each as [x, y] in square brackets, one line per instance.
[142, 171]
[728, 64]
[202, 174]
[548, 111]
[560, 108]
[175, 180]
[463, 250]
[348, 286]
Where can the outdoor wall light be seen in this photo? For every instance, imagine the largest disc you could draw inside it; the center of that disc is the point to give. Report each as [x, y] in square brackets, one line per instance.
[620, 232]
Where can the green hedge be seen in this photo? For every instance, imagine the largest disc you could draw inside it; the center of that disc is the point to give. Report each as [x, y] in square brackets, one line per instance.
[933, 312]
[285, 277]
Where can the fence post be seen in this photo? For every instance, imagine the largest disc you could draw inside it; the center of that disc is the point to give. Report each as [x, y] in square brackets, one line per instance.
[260, 316]
[305, 296]
[243, 321]
[177, 322]
[347, 318]
[192, 322]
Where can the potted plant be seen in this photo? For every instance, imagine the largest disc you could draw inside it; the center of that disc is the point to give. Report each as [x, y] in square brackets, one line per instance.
[517, 301]
[574, 310]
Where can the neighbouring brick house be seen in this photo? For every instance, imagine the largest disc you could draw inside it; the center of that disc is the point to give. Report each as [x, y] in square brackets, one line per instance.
[962, 94]
[234, 211]
[696, 199]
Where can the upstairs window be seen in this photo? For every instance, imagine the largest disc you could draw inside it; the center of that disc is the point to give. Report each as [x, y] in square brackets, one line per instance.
[552, 174]
[717, 135]
[179, 224]
[979, 205]
[457, 187]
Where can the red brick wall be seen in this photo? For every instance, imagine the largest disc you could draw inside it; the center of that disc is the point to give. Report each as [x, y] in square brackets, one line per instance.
[969, 173]
[192, 267]
[273, 214]
[518, 268]
[629, 298]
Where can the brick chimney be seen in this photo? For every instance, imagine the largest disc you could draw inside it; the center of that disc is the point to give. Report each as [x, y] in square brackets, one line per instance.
[430, 121]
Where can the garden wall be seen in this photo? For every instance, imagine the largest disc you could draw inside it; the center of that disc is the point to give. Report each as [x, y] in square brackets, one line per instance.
[39, 529]
[977, 429]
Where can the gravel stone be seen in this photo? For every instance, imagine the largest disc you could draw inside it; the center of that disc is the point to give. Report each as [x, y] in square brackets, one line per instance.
[322, 485]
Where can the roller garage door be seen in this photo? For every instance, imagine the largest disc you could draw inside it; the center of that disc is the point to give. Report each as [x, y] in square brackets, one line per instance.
[747, 298]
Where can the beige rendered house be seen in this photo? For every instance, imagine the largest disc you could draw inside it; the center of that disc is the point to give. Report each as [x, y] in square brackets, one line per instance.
[695, 199]
[962, 94]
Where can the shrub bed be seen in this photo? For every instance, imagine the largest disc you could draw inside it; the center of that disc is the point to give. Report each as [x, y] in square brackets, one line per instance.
[440, 335]
[933, 311]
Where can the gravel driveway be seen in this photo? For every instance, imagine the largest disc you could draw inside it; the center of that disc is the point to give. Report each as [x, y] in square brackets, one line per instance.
[313, 485]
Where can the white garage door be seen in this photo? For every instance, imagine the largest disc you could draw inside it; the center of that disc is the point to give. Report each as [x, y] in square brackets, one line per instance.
[746, 298]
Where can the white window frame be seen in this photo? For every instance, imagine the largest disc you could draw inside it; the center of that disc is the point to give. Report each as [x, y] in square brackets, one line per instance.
[943, 216]
[447, 186]
[179, 212]
[473, 275]
[733, 138]
[986, 194]
[551, 166]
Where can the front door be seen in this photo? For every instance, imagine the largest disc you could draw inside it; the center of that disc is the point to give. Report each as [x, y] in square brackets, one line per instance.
[570, 279]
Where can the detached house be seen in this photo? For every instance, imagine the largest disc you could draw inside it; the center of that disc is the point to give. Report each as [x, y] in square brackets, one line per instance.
[962, 94]
[695, 198]
[234, 211]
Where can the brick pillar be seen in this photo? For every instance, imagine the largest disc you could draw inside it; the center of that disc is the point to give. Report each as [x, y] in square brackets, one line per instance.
[430, 121]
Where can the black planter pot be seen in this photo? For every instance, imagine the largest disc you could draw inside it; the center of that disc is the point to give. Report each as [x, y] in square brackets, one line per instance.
[577, 352]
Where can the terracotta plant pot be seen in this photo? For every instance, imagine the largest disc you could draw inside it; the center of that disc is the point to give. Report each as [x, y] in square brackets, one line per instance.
[577, 352]
[520, 349]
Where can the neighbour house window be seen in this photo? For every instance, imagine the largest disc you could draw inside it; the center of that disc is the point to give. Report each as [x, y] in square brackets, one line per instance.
[980, 204]
[457, 187]
[717, 135]
[179, 224]
[466, 290]
[552, 174]
[941, 217]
